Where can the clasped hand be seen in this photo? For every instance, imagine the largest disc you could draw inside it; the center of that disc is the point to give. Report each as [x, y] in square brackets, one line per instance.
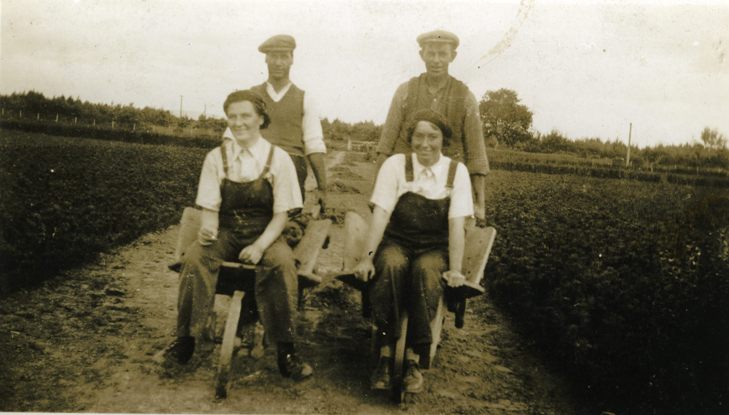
[365, 269]
[251, 254]
[207, 236]
[454, 278]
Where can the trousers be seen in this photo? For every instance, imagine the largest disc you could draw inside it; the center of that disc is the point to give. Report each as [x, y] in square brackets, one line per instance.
[275, 286]
[409, 279]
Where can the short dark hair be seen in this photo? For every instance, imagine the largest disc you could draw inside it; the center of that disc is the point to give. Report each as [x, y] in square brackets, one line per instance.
[254, 98]
[432, 117]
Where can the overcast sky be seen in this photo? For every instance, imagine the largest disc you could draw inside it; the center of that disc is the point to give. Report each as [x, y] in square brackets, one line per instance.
[585, 68]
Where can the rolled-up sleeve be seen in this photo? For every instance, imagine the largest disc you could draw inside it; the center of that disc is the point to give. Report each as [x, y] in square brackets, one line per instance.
[208, 188]
[386, 192]
[461, 198]
[286, 193]
[313, 135]
[473, 141]
[394, 121]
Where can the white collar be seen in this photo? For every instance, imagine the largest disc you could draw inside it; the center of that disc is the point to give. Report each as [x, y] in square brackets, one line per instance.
[277, 96]
[255, 150]
[419, 169]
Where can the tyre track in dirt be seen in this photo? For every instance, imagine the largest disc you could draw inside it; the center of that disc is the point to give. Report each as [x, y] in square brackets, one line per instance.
[87, 342]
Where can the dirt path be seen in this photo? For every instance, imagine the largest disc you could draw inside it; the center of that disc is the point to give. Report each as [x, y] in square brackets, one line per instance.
[86, 342]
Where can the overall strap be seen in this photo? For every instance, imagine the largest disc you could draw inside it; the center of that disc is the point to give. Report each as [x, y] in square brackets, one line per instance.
[267, 168]
[225, 159]
[409, 168]
[451, 174]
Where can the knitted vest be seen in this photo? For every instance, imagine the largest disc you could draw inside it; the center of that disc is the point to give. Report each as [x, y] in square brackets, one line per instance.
[453, 107]
[285, 129]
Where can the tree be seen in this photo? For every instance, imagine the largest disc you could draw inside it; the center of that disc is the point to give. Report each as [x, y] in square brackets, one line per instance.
[504, 118]
[713, 139]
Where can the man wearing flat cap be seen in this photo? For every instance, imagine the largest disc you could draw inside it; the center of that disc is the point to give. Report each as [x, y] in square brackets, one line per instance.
[437, 90]
[295, 124]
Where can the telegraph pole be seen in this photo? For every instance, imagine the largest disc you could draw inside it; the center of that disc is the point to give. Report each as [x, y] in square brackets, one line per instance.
[627, 157]
[180, 106]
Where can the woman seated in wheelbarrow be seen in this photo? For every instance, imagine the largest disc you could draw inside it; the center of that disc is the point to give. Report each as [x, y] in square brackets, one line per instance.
[247, 189]
[416, 239]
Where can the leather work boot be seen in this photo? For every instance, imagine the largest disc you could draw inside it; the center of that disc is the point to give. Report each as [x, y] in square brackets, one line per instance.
[180, 350]
[290, 365]
[380, 378]
[413, 379]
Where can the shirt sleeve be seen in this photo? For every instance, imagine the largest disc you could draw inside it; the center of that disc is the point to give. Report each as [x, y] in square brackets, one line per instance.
[394, 121]
[208, 189]
[473, 141]
[385, 193]
[311, 127]
[286, 193]
[461, 198]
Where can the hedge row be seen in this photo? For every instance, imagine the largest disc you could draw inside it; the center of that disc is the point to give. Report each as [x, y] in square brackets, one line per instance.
[519, 157]
[624, 283]
[611, 173]
[105, 133]
[64, 200]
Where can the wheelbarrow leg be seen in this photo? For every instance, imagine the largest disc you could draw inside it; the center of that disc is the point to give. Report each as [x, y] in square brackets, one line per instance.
[436, 328]
[398, 391]
[222, 378]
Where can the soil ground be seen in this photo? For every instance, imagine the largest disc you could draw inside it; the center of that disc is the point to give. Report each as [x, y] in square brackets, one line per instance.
[87, 341]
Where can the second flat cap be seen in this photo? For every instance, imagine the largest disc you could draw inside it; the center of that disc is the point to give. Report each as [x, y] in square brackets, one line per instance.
[438, 36]
[278, 43]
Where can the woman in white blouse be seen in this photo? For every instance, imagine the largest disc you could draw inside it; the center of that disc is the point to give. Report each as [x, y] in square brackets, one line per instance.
[421, 201]
[247, 189]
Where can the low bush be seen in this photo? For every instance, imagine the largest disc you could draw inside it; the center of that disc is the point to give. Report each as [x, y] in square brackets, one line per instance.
[624, 283]
[64, 200]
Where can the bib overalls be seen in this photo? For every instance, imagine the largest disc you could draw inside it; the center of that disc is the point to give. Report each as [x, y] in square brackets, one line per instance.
[409, 263]
[245, 211]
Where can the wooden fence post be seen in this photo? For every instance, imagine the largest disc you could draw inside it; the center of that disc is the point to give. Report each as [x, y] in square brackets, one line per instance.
[112, 124]
[75, 119]
[56, 117]
[37, 116]
[21, 114]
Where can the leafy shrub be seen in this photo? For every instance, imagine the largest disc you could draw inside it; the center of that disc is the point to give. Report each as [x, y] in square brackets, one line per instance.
[64, 200]
[624, 283]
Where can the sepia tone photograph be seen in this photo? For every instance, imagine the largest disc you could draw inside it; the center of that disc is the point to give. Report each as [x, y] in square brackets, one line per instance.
[364, 207]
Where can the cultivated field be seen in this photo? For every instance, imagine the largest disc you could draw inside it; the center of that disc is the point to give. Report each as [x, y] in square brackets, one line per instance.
[619, 283]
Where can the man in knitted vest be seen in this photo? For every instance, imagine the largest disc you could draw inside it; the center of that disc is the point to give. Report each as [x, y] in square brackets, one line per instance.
[437, 90]
[295, 124]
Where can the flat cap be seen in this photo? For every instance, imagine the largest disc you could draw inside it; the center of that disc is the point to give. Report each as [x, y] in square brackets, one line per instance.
[438, 36]
[278, 43]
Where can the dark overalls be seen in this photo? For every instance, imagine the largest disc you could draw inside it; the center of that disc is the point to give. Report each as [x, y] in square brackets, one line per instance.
[409, 263]
[245, 211]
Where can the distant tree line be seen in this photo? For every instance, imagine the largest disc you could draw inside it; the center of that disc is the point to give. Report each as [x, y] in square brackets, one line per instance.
[506, 123]
[33, 103]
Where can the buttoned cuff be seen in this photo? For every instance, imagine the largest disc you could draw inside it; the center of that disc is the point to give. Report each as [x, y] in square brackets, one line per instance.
[478, 167]
[315, 145]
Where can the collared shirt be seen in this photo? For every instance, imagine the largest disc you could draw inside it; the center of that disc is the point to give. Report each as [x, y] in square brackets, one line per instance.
[428, 182]
[313, 135]
[473, 140]
[246, 165]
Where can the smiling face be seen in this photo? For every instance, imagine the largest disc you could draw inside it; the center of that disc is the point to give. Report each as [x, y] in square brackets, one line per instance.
[427, 142]
[244, 122]
[437, 57]
[279, 64]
